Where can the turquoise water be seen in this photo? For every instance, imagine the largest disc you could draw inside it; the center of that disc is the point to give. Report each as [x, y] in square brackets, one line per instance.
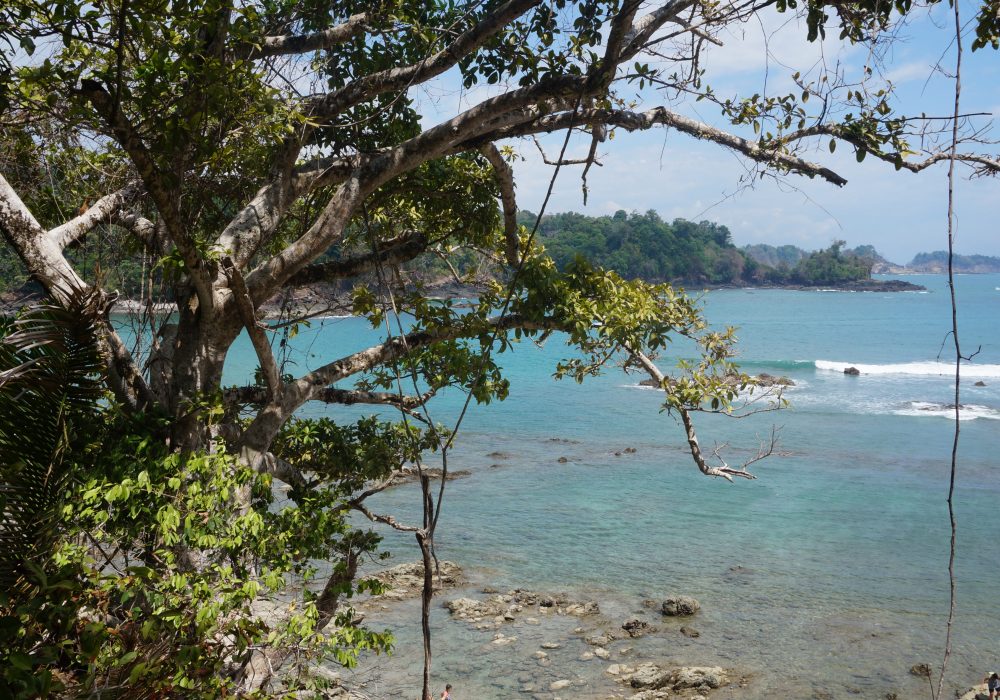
[843, 539]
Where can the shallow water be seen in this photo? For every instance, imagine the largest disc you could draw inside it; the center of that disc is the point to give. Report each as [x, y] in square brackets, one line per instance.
[842, 541]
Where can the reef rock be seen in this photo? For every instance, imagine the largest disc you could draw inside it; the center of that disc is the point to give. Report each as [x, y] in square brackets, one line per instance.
[680, 605]
[407, 580]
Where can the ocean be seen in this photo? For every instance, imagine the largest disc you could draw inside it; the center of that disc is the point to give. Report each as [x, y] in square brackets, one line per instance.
[826, 576]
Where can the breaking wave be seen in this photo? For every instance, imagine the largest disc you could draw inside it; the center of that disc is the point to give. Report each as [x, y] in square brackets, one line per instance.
[925, 369]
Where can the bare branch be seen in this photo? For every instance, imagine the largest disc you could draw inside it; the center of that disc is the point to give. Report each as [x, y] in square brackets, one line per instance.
[561, 161]
[504, 176]
[261, 344]
[724, 470]
[385, 519]
[100, 211]
[640, 121]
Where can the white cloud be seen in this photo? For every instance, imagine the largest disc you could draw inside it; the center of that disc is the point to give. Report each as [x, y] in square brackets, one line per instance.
[915, 70]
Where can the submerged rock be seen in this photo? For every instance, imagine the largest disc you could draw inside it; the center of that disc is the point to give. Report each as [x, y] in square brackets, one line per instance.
[650, 677]
[675, 606]
[921, 670]
[502, 608]
[408, 475]
[980, 383]
[637, 627]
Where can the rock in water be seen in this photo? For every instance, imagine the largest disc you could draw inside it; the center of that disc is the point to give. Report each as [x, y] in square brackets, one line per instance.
[921, 670]
[680, 605]
[636, 627]
[765, 379]
[853, 371]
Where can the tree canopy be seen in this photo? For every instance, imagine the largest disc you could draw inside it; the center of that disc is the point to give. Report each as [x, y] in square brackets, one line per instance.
[235, 151]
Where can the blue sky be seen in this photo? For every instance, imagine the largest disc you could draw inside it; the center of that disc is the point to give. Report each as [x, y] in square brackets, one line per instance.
[900, 213]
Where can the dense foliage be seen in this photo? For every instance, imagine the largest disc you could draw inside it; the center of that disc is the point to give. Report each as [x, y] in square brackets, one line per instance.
[127, 565]
[643, 246]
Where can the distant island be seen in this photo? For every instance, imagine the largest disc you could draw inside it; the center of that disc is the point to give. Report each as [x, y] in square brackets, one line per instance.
[937, 263]
[923, 263]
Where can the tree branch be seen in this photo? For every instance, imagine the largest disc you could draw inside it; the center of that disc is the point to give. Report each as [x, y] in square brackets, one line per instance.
[163, 193]
[640, 121]
[986, 164]
[391, 252]
[141, 228]
[104, 209]
[504, 176]
[258, 396]
[724, 470]
[403, 76]
[261, 345]
[287, 44]
[385, 519]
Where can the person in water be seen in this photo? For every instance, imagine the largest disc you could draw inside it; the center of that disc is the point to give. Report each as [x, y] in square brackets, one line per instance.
[993, 685]
[446, 695]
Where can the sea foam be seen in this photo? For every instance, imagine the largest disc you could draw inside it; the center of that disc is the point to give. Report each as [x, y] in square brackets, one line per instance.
[939, 410]
[926, 369]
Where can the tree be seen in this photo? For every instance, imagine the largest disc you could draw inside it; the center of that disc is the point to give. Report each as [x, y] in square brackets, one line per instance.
[240, 150]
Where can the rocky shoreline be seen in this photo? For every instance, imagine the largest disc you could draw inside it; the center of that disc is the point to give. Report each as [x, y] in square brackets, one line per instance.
[561, 647]
[498, 614]
[325, 300]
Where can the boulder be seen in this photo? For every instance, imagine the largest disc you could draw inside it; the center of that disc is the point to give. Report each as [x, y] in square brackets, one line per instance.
[765, 379]
[645, 676]
[980, 383]
[407, 580]
[637, 627]
[680, 605]
[697, 677]
[852, 371]
[579, 609]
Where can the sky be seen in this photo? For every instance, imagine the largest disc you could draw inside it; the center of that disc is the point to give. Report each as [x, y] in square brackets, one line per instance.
[900, 213]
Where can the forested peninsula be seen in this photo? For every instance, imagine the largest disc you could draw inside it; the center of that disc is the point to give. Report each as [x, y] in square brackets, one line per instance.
[644, 246]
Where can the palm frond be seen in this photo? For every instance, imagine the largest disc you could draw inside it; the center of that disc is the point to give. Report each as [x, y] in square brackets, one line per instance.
[50, 383]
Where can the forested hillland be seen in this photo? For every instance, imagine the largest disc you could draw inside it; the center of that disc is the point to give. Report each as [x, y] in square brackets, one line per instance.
[647, 247]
